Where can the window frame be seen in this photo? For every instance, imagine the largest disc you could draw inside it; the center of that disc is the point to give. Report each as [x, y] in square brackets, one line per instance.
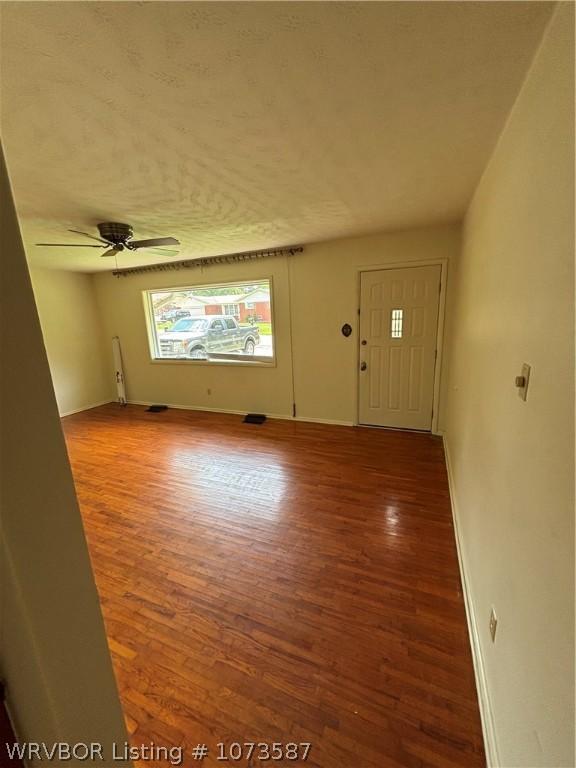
[256, 361]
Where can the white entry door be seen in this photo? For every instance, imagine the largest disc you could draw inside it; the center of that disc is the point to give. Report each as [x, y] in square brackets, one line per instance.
[398, 333]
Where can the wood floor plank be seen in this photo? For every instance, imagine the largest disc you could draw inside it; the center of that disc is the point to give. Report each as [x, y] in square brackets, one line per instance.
[282, 582]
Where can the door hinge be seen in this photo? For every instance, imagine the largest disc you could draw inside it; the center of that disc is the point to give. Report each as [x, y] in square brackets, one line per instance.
[293, 409]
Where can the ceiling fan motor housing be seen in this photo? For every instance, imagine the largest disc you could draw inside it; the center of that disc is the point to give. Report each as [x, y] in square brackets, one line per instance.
[114, 232]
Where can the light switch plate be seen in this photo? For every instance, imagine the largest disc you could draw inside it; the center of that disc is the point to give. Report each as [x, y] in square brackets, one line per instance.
[522, 381]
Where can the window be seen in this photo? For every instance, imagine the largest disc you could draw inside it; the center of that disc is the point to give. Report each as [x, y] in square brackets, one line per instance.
[396, 323]
[231, 322]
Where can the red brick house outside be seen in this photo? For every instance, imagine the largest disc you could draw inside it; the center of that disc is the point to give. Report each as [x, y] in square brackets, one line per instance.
[260, 312]
[253, 306]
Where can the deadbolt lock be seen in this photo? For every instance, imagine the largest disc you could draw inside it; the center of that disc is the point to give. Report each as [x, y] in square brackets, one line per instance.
[363, 366]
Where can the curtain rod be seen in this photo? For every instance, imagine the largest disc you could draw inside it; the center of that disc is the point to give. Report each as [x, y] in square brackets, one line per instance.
[207, 261]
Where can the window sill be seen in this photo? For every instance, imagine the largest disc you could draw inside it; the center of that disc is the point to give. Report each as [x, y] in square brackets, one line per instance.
[235, 363]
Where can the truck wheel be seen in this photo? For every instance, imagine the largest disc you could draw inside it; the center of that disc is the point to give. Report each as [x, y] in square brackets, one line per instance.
[249, 347]
[198, 353]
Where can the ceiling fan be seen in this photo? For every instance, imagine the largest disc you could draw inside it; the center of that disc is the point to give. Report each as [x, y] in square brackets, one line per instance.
[116, 238]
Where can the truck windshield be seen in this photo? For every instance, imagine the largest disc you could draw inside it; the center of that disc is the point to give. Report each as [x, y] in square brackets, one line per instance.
[189, 324]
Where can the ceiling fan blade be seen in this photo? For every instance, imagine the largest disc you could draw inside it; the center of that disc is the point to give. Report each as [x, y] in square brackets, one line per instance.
[111, 252]
[165, 251]
[72, 245]
[153, 242]
[92, 237]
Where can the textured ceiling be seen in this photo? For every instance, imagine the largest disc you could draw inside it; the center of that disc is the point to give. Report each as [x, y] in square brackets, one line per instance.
[234, 126]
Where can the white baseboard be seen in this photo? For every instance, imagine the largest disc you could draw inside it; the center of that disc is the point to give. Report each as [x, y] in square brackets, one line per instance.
[486, 714]
[186, 407]
[282, 416]
[87, 407]
[314, 420]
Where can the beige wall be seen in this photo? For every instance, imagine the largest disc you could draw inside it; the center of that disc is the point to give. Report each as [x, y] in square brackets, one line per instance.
[54, 658]
[73, 338]
[512, 461]
[324, 295]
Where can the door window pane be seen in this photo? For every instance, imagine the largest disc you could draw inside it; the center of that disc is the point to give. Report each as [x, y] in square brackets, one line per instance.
[396, 323]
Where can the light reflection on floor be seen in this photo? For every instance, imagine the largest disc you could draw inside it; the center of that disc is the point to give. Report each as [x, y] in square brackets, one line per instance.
[256, 484]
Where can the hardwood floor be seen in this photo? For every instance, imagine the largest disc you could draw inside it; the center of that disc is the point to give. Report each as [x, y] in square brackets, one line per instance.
[288, 582]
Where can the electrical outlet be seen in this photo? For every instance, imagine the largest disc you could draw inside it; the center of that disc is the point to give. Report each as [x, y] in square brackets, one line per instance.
[493, 625]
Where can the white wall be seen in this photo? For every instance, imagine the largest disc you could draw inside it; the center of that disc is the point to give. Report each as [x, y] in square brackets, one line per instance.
[324, 296]
[73, 338]
[512, 462]
[53, 657]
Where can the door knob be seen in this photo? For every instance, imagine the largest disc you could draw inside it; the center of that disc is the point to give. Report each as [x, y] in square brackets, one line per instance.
[363, 366]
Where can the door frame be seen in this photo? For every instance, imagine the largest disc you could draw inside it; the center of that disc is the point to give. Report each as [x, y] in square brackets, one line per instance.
[443, 263]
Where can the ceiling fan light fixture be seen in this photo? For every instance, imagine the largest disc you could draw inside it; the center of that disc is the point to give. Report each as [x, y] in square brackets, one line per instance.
[114, 232]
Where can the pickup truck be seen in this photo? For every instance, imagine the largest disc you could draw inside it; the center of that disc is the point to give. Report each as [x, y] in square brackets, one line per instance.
[175, 314]
[198, 338]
